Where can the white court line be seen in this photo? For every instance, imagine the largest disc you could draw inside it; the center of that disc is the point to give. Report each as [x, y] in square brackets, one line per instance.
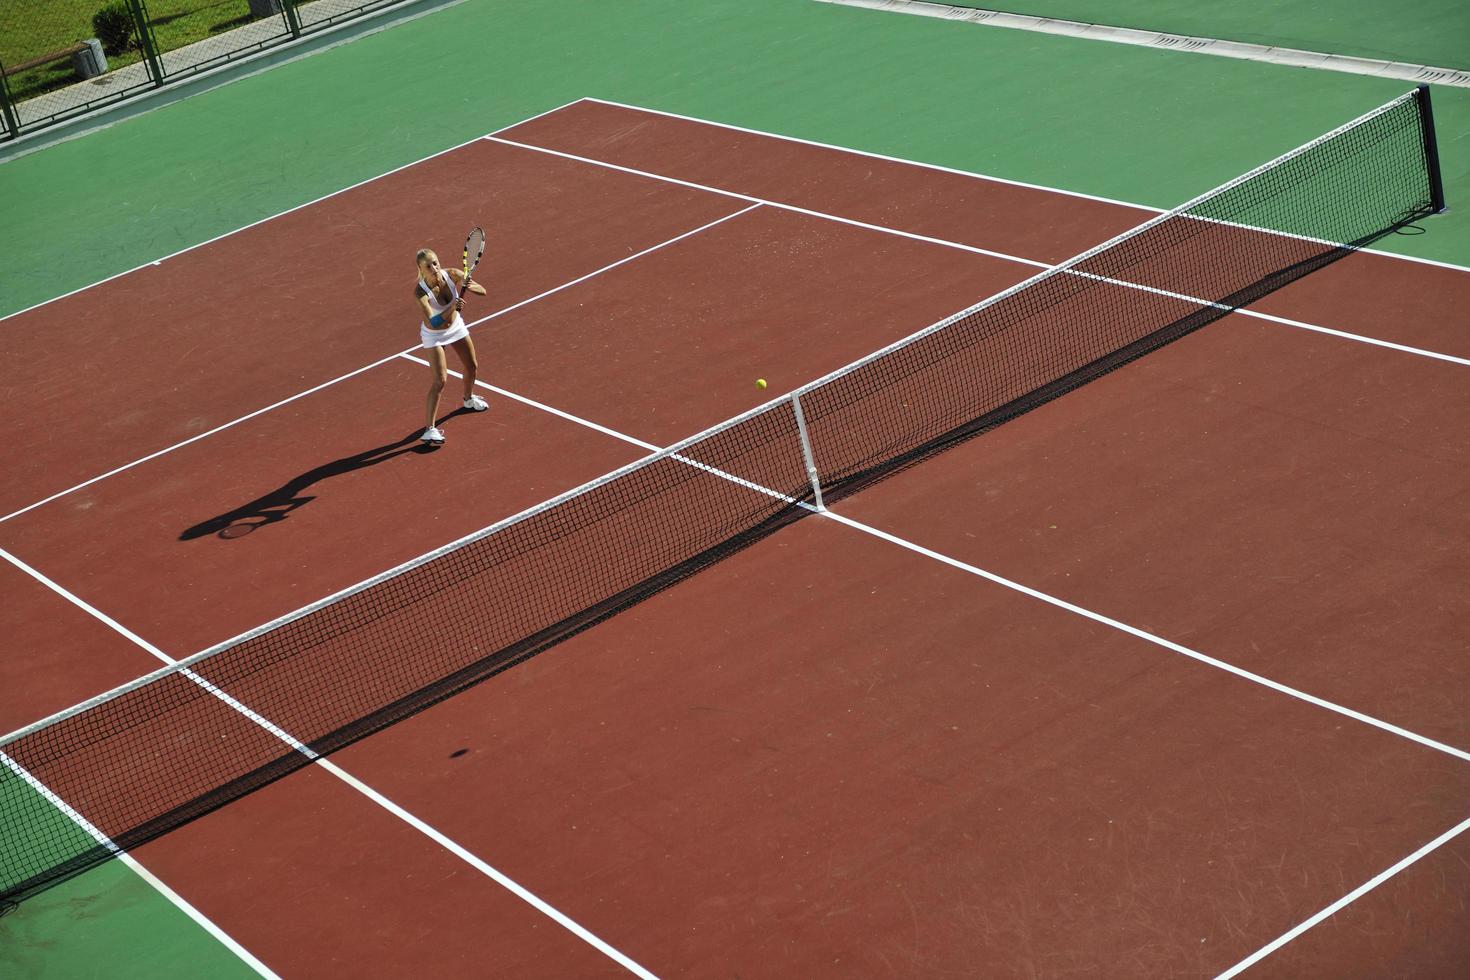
[957, 172]
[915, 163]
[1097, 617]
[976, 175]
[179, 902]
[1034, 263]
[1070, 607]
[1152, 638]
[418, 824]
[1359, 338]
[195, 438]
[1015, 586]
[893, 539]
[505, 393]
[479, 864]
[281, 214]
[614, 433]
[779, 205]
[382, 360]
[1284, 321]
[199, 918]
[1346, 900]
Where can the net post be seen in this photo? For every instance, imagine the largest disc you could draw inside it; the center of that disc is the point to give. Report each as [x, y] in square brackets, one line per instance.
[1431, 149]
[806, 451]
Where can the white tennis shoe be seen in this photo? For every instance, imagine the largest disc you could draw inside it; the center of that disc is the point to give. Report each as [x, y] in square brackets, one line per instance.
[433, 436]
[476, 404]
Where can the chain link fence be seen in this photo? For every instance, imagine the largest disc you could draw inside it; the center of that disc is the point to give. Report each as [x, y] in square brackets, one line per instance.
[62, 58]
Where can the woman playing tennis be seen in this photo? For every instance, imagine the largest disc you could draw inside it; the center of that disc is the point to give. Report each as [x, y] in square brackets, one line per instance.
[439, 302]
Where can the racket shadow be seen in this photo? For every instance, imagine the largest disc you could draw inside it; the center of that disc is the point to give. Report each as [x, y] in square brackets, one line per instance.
[278, 504]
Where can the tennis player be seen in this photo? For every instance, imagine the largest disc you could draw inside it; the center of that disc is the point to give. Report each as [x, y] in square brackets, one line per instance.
[439, 301]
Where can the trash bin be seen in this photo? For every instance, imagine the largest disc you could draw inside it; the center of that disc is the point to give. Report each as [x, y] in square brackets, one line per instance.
[90, 61]
[264, 8]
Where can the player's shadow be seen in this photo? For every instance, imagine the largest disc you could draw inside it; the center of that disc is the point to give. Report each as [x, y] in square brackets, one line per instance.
[276, 506]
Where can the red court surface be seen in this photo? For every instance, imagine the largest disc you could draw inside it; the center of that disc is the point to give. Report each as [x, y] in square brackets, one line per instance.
[1410, 927]
[907, 771]
[119, 530]
[827, 755]
[1405, 302]
[335, 886]
[670, 345]
[304, 298]
[1242, 491]
[83, 656]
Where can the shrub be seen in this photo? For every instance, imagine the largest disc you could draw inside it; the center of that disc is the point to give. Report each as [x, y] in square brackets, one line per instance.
[114, 27]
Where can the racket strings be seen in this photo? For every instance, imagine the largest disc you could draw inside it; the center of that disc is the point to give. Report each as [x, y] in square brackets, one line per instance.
[474, 247]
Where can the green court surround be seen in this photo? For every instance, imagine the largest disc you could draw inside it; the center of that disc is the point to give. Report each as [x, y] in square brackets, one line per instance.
[1136, 124]
[1428, 32]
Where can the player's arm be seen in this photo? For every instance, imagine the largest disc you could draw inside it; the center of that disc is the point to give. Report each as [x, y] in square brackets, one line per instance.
[466, 283]
[427, 312]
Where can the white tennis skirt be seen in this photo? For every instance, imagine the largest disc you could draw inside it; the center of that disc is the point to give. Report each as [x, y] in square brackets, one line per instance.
[443, 338]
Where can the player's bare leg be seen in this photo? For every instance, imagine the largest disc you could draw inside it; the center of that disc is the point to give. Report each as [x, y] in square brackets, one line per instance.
[470, 365]
[438, 371]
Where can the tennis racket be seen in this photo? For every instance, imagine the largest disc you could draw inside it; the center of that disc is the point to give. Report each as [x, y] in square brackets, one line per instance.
[474, 247]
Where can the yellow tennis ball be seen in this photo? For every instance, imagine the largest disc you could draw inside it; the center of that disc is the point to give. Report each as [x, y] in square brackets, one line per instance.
[760, 382]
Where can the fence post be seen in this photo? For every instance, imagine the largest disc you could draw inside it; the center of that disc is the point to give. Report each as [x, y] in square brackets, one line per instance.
[145, 38]
[292, 20]
[11, 123]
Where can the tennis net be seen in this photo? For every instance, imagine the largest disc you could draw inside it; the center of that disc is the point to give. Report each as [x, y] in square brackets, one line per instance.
[151, 755]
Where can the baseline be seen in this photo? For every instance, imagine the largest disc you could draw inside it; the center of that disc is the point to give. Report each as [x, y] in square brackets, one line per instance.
[1402, 302]
[943, 169]
[280, 214]
[357, 371]
[992, 253]
[753, 201]
[170, 363]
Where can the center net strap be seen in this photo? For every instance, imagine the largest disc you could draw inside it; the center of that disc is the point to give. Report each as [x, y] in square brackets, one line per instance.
[162, 750]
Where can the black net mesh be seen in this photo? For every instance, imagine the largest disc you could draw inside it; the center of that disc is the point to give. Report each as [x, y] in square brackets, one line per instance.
[1119, 301]
[137, 763]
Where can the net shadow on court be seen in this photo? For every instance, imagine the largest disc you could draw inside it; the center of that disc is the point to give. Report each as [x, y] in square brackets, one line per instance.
[169, 747]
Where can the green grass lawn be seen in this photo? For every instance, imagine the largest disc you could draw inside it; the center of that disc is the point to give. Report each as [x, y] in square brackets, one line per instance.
[29, 28]
[180, 22]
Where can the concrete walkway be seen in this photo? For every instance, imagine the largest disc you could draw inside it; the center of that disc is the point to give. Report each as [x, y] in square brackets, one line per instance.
[256, 36]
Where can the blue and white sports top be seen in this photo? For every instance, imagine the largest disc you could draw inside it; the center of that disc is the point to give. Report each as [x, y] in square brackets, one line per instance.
[434, 303]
